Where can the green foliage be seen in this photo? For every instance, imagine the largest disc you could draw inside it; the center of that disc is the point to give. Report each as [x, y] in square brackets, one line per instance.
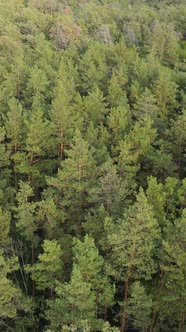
[38, 131]
[14, 123]
[112, 190]
[49, 265]
[133, 240]
[139, 307]
[74, 303]
[9, 294]
[92, 165]
[157, 199]
[174, 273]
[25, 210]
[75, 179]
[91, 266]
[4, 226]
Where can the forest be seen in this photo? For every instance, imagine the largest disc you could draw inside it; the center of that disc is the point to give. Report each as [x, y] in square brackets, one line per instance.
[92, 166]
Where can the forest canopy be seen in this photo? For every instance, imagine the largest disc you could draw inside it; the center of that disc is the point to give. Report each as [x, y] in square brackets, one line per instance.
[92, 165]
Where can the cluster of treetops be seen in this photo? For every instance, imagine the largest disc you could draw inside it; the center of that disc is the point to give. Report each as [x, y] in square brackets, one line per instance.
[92, 165]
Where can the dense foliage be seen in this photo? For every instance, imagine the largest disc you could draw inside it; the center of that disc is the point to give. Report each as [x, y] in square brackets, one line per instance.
[92, 165]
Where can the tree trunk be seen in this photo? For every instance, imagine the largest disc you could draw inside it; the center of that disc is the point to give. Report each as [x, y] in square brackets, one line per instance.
[125, 298]
[155, 310]
[33, 283]
[153, 321]
[61, 149]
[181, 323]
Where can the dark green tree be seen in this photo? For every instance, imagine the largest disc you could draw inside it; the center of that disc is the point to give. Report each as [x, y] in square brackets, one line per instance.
[133, 242]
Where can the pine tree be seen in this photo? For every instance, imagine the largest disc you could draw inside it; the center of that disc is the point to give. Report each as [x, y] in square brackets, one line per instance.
[157, 199]
[15, 131]
[39, 89]
[75, 181]
[112, 191]
[117, 85]
[146, 105]
[140, 307]
[177, 137]
[26, 221]
[4, 227]
[119, 122]
[25, 211]
[91, 265]
[75, 303]
[170, 303]
[94, 106]
[37, 144]
[133, 241]
[9, 294]
[49, 266]
[165, 93]
[38, 132]
[164, 42]
[14, 124]
[133, 149]
[62, 116]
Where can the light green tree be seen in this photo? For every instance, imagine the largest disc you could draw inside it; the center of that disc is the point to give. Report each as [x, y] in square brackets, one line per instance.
[146, 105]
[9, 294]
[91, 265]
[36, 75]
[165, 42]
[14, 124]
[49, 266]
[134, 147]
[140, 307]
[165, 90]
[75, 302]
[62, 115]
[157, 199]
[94, 106]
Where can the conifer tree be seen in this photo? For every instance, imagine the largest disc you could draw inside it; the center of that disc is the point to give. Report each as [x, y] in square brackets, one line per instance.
[140, 307]
[26, 221]
[165, 93]
[170, 300]
[9, 294]
[157, 198]
[94, 106]
[146, 105]
[112, 191]
[92, 99]
[62, 116]
[25, 211]
[75, 303]
[134, 147]
[14, 124]
[133, 242]
[91, 265]
[75, 180]
[4, 227]
[49, 266]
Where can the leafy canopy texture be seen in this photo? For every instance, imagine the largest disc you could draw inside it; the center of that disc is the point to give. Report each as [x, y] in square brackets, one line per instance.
[92, 165]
